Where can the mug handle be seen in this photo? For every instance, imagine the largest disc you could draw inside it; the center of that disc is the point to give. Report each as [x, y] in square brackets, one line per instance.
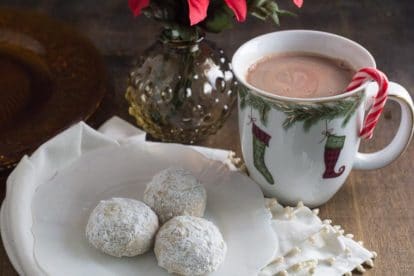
[401, 140]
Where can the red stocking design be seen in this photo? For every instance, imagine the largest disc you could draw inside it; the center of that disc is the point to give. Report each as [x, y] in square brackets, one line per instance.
[333, 148]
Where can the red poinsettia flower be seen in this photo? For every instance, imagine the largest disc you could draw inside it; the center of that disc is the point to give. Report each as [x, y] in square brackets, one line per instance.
[198, 9]
[137, 5]
[298, 3]
[239, 7]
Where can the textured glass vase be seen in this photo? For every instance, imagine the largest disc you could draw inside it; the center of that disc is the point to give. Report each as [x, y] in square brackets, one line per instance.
[181, 91]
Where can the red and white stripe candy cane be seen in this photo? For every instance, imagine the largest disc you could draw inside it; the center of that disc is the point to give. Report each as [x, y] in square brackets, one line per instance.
[362, 76]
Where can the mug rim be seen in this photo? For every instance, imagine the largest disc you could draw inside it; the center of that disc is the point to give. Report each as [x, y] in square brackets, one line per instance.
[266, 94]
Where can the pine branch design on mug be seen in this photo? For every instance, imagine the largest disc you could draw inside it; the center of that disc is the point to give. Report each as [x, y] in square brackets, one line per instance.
[308, 114]
[255, 102]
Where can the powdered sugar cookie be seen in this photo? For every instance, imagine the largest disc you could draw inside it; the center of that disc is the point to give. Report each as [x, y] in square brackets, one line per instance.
[122, 227]
[175, 192]
[189, 245]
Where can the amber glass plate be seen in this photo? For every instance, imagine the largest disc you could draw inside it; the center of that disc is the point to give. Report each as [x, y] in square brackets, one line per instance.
[50, 78]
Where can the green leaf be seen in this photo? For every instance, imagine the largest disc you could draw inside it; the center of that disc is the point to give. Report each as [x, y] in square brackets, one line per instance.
[259, 15]
[256, 3]
[219, 21]
[267, 9]
[285, 12]
[275, 18]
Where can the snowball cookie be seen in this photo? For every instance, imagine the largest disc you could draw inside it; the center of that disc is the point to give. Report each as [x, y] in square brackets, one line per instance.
[189, 245]
[175, 192]
[122, 227]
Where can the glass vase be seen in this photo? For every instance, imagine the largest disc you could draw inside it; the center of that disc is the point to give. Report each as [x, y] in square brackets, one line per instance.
[181, 91]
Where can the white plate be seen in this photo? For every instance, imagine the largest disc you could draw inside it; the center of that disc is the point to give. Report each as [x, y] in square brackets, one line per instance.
[69, 175]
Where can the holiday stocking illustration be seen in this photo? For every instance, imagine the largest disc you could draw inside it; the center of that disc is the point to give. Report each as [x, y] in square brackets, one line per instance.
[260, 143]
[333, 147]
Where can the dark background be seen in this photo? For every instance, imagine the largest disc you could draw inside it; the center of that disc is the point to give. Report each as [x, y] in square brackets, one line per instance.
[384, 27]
[376, 206]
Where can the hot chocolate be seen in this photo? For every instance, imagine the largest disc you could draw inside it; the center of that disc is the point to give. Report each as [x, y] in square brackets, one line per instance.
[300, 75]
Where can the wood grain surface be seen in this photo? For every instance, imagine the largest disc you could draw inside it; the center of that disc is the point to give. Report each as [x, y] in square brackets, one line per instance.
[376, 206]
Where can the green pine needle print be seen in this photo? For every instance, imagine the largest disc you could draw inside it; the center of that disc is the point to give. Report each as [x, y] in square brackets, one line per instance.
[309, 114]
[255, 102]
[312, 114]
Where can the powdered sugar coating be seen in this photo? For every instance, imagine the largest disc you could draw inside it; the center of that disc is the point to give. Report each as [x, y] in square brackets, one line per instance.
[189, 245]
[122, 227]
[175, 192]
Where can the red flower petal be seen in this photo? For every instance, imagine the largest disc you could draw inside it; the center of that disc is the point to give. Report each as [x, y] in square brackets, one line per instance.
[197, 10]
[239, 7]
[137, 5]
[298, 3]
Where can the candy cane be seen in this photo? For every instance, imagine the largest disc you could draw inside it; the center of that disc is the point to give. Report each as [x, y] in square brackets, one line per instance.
[362, 76]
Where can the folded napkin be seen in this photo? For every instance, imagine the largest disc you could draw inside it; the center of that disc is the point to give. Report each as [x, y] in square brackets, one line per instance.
[121, 130]
[307, 245]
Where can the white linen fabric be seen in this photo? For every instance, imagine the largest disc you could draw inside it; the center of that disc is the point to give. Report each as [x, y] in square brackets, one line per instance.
[308, 245]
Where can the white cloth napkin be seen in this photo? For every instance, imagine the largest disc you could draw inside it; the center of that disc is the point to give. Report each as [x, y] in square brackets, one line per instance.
[121, 130]
[307, 245]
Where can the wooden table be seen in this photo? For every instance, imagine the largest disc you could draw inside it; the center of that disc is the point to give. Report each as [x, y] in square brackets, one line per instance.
[376, 206]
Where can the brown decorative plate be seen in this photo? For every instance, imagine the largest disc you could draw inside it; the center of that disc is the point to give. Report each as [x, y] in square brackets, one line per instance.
[50, 78]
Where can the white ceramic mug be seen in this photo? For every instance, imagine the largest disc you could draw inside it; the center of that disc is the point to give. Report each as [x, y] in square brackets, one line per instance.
[303, 149]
